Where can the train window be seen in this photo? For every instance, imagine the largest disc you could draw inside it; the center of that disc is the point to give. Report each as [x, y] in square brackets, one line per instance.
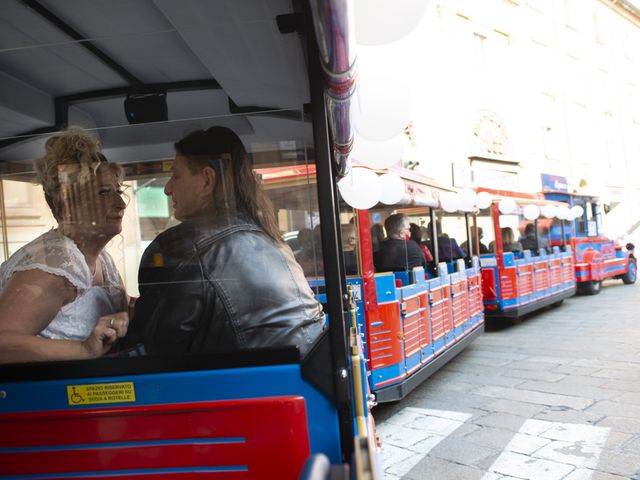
[451, 234]
[509, 228]
[590, 209]
[396, 241]
[581, 222]
[484, 220]
[161, 83]
[350, 242]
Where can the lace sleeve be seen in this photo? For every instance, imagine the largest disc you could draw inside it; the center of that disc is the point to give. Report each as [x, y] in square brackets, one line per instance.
[51, 253]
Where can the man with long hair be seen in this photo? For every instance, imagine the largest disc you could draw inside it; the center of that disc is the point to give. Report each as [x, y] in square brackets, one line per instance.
[223, 279]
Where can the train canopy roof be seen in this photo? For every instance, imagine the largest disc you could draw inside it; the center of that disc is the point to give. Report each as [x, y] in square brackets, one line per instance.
[231, 63]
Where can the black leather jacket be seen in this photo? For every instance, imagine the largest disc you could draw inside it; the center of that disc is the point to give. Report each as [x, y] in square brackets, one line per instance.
[213, 288]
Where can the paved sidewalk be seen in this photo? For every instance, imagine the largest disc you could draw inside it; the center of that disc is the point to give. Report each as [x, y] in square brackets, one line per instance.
[556, 396]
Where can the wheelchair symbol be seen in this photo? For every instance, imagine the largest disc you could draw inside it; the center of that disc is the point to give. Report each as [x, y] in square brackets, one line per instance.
[76, 397]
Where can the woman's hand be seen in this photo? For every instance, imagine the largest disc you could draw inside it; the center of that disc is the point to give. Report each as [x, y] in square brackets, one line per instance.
[107, 330]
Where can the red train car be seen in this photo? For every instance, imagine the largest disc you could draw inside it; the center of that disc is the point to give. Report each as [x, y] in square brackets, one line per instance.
[596, 257]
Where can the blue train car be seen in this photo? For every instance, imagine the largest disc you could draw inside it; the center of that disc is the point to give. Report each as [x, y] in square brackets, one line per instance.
[522, 273]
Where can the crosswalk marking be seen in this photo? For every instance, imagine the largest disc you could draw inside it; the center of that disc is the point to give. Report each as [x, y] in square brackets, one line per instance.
[550, 450]
[540, 449]
[411, 433]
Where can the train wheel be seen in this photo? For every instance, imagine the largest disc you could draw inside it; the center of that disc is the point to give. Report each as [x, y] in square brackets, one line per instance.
[591, 287]
[632, 272]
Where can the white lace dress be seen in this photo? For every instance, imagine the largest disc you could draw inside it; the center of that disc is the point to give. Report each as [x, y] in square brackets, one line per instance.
[54, 253]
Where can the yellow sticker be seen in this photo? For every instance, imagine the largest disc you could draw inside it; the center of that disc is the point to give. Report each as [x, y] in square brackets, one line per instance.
[101, 393]
[167, 165]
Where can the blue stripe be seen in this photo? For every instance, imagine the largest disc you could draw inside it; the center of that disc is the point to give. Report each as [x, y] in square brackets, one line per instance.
[103, 446]
[120, 473]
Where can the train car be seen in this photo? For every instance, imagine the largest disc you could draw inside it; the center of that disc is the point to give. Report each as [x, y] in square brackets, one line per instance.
[596, 257]
[519, 277]
[139, 75]
[412, 319]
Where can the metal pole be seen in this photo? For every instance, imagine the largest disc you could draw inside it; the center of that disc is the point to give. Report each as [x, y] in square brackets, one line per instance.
[434, 238]
[3, 218]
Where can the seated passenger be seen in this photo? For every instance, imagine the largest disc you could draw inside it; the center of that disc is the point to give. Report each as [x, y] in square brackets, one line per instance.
[62, 296]
[397, 253]
[529, 242]
[310, 257]
[448, 248]
[508, 241]
[543, 237]
[302, 241]
[349, 242]
[416, 236]
[223, 279]
[377, 236]
[482, 246]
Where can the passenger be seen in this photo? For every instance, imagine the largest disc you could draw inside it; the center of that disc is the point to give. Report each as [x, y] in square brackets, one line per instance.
[310, 257]
[61, 295]
[483, 248]
[377, 236]
[448, 248]
[349, 242]
[529, 241]
[397, 252]
[508, 241]
[304, 239]
[416, 236]
[223, 279]
[543, 238]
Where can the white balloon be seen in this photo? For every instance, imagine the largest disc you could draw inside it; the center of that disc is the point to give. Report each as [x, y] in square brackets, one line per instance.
[378, 154]
[361, 188]
[450, 202]
[563, 213]
[393, 188]
[483, 200]
[577, 211]
[549, 211]
[377, 114]
[384, 21]
[507, 206]
[531, 212]
[467, 199]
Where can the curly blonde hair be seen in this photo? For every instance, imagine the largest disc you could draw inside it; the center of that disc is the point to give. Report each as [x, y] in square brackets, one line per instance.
[72, 156]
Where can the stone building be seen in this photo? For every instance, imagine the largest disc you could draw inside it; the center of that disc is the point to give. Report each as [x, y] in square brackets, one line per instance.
[504, 91]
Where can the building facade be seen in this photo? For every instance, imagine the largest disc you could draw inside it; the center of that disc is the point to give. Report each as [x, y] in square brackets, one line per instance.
[505, 91]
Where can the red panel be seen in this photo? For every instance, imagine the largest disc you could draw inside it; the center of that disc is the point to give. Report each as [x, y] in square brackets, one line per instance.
[508, 283]
[366, 261]
[489, 291]
[425, 324]
[567, 269]
[525, 279]
[555, 272]
[437, 320]
[446, 307]
[275, 432]
[411, 325]
[440, 300]
[385, 335]
[542, 275]
[475, 295]
[459, 302]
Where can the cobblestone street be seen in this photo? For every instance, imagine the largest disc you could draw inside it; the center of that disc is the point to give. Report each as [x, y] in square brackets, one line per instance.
[556, 396]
